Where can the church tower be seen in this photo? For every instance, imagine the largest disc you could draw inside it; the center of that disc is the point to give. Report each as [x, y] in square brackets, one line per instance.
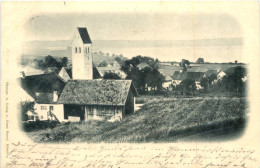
[82, 66]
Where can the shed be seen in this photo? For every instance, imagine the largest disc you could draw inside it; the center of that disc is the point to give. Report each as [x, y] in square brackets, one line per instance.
[98, 99]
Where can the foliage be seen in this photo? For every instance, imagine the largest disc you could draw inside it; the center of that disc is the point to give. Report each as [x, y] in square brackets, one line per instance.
[200, 61]
[184, 64]
[188, 86]
[233, 83]
[50, 62]
[149, 76]
[111, 75]
[204, 82]
[212, 77]
[26, 106]
[64, 61]
[153, 78]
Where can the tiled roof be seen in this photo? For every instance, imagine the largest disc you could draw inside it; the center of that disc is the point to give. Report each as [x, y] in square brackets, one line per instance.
[96, 92]
[84, 35]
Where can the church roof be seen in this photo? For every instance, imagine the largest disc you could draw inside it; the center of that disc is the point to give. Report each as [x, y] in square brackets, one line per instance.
[84, 35]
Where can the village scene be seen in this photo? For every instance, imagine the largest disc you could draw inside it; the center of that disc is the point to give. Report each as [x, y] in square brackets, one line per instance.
[81, 94]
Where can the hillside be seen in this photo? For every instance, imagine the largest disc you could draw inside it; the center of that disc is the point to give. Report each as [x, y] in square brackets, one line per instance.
[167, 119]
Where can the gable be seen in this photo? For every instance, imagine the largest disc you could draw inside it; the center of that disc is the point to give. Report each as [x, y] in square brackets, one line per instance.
[64, 75]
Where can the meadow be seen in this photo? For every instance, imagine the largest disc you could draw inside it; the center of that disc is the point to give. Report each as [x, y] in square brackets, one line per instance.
[159, 120]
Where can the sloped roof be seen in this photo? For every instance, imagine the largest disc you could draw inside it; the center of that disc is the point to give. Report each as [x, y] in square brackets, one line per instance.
[168, 78]
[44, 98]
[210, 72]
[96, 92]
[47, 83]
[84, 35]
[196, 69]
[175, 75]
[196, 76]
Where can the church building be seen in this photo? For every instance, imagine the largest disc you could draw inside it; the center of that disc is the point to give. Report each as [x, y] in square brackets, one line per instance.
[82, 66]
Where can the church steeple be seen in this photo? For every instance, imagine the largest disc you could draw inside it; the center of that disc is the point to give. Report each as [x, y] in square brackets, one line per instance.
[82, 67]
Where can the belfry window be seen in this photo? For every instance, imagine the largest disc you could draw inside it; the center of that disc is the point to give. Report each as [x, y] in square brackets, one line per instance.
[88, 49]
[79, 49]
[75, 49]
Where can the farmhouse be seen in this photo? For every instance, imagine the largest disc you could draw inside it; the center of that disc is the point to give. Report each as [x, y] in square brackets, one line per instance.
[179, 76]
[44, 91]
[97, 99]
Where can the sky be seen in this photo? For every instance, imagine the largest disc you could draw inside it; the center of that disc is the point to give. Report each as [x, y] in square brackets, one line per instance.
[216, 37]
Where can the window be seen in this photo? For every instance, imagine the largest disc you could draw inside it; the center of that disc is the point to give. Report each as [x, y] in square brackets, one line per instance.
[88, 49]
[51, 108]
[30, 117]
[79, 49]
[90, 112]
[41, 117]
[75, 49]
[43, 107]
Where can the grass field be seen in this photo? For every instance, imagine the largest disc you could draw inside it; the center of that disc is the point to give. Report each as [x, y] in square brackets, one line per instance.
[159, 120]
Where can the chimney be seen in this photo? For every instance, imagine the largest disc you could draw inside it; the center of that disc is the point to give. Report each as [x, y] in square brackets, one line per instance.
[22, 74]
[55, 96]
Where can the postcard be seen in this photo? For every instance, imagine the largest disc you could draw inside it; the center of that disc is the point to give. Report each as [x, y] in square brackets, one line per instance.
[130, 84]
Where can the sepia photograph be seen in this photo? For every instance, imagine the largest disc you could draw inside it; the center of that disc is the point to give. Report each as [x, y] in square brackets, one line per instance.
[130, 84]
[133, 78]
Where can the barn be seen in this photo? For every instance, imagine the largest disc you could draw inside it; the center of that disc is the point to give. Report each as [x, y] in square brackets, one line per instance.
[97, 99]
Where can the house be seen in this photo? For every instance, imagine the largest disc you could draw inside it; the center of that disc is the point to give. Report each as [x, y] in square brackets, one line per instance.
[116, 70]
[97, 99]
[220, 75]
[47, 108]
[167, 84]
[44, 90]
[179, 76]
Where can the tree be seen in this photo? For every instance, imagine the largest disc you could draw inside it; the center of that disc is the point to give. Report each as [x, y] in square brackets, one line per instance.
[26, 106]
[204, 82]
[212, 77]
[188, 86]
[149, 75]
[200, 61]
[235, 79]
[111, 75]
[184, 64]
[49, 61]
[153, 77]
[64, 61]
